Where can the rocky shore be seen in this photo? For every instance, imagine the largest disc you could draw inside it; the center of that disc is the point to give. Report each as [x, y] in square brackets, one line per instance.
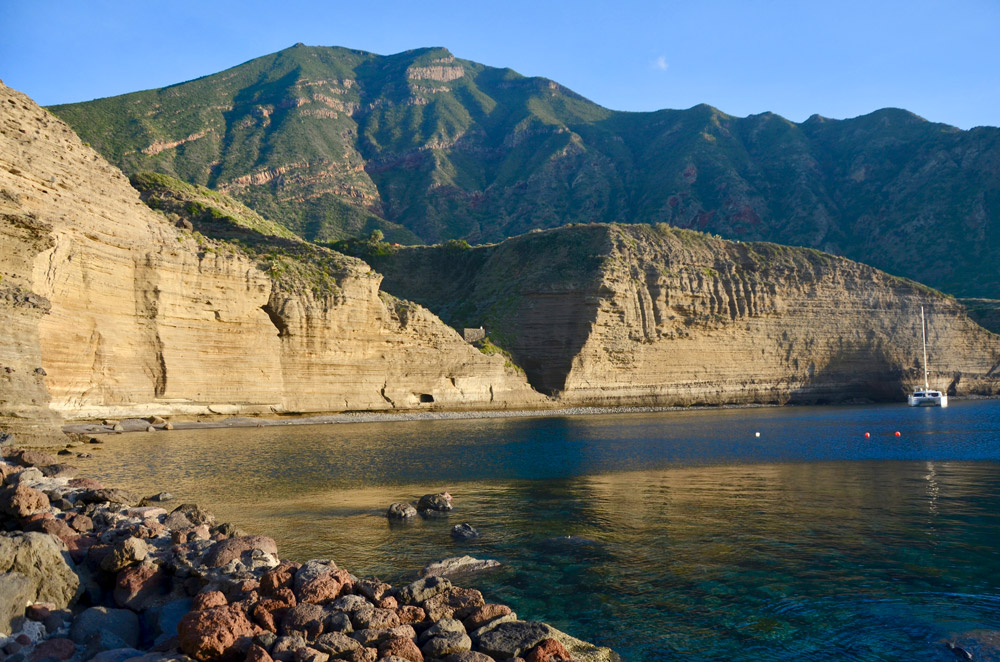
[91, 573]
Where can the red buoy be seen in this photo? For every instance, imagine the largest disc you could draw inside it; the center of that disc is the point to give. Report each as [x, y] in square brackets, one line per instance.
[897, 433]
[867, 434]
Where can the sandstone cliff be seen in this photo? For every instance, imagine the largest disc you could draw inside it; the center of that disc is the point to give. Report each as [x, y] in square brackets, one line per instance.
[609, 314]
[125, 313]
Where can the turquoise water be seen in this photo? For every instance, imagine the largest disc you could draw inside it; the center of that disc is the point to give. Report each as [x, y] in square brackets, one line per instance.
[665, 536]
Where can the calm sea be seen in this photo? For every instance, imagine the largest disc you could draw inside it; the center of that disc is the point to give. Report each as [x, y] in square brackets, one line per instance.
[668, 536]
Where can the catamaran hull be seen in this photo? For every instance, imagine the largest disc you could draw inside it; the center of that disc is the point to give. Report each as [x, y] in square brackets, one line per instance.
[941, 401]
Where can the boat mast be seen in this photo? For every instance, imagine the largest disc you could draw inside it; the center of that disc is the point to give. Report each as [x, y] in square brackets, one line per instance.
[923, 337]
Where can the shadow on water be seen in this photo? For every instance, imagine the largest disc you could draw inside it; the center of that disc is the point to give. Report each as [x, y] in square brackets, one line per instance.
[664, 536]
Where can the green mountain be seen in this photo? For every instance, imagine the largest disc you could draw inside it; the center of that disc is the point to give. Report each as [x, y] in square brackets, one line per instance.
[334, 143]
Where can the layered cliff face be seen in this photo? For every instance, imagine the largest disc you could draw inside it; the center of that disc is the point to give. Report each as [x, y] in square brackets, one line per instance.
[334, 142]
[635, 314]
[125, 313]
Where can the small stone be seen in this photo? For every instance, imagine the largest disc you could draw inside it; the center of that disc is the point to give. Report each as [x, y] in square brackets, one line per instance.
[137, 586]
[430, 503]
[257, 654]
[305, 619]
[411, 614]
[484, 614]
[444, 626]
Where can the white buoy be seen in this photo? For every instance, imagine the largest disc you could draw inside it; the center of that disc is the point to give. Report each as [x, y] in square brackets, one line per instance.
[756, 434]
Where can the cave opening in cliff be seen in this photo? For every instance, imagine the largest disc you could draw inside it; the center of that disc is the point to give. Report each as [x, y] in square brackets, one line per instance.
[426, 397]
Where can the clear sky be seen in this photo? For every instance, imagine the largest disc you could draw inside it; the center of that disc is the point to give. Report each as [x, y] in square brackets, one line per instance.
[939, 59]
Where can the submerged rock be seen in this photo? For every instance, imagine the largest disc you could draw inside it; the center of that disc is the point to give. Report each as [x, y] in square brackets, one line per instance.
[459, 565]
[464, 531]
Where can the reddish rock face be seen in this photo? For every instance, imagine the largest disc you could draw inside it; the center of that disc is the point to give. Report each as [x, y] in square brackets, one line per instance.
[138, 585]
[548, 650]
[321, 590]
[400, 647]
[225, 551]
[411, 614]
[57, 527]
[388, 603]
[21, 501]
[269, 612]
[80, 523]
[211, 632]
[209, 600]
[280, 577]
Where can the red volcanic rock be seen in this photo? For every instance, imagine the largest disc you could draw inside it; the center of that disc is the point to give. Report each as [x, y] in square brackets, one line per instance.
[320, 590]
[401, 647]
[57, 527]
[138, 585]
[484, 615]
[280, 576]
[548, 650]
[209, 599]
[388, 602]
[258, 654]
[79, 546]
[305, 619]
[268, 613]
[209, 633]
[21, 501]
[225, 551]
[411, 614]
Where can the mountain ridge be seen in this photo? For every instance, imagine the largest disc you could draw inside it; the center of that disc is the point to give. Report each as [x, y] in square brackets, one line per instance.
[335, 143]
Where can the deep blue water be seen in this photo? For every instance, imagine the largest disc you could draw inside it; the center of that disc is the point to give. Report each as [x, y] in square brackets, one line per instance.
[677, 535]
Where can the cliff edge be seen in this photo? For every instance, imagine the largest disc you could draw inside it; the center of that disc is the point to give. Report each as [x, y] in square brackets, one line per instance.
[112, 310]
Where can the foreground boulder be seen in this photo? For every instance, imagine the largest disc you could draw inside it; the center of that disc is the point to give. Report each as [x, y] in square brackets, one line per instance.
[40, 558]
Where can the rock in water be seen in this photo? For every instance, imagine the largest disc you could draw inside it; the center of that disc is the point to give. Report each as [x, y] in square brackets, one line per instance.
[459, 565]
[431, 505]
[401, 511]
[464, 531]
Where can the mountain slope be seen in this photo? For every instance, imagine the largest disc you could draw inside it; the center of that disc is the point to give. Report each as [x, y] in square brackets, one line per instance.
[334, 143]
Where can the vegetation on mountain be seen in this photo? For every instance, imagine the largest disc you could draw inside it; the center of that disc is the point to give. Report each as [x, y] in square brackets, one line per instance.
[335, 143]
[214, 217]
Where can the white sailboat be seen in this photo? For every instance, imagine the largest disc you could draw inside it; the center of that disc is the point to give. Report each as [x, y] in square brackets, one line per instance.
[926, 397]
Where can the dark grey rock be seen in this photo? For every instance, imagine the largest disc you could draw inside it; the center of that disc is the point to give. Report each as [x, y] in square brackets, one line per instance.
[101, 628]
[464, 531]
[335, 643]
[459, 565]
[117, 655]
[440, 503]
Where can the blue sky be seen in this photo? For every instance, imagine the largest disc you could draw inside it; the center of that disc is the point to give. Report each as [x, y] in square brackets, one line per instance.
[839, 59]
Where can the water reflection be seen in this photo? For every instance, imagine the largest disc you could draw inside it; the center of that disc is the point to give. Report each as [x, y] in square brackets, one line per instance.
[708, 542]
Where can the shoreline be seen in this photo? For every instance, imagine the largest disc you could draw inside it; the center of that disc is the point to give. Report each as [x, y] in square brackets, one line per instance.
[101, 574]
[221, 421]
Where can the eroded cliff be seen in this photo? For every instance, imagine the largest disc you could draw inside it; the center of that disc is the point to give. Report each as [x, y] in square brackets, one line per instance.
[610, 314]
[126, 313]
